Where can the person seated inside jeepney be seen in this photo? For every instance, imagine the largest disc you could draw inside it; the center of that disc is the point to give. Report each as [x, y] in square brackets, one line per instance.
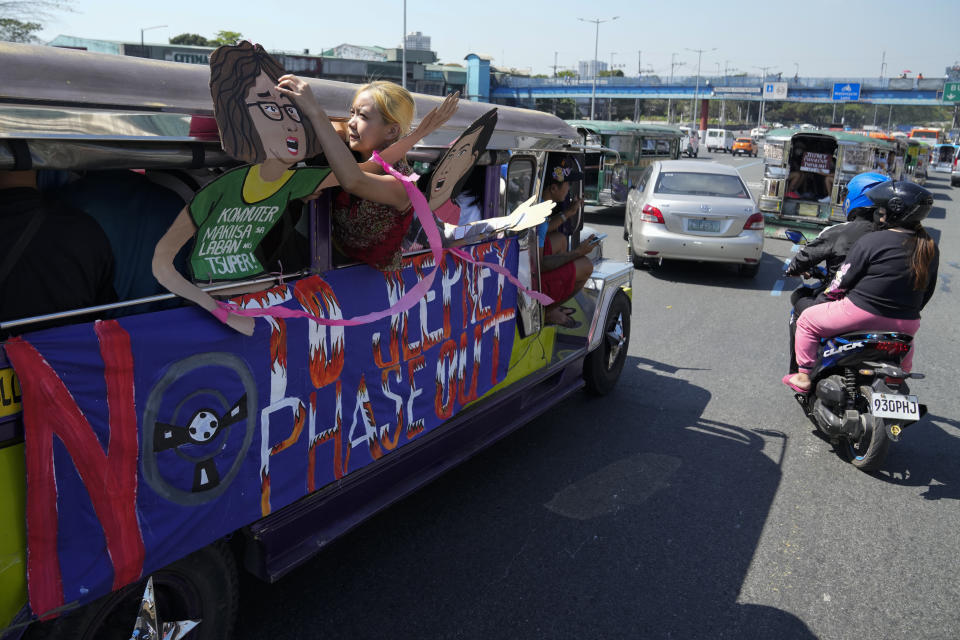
[53, 258]
[231, 216]
[469, 205]
[562, 273]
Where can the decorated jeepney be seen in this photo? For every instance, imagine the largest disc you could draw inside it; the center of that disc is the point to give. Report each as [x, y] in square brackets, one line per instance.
[144, 438]
[806, 172]
[616, 154]
[917, 159]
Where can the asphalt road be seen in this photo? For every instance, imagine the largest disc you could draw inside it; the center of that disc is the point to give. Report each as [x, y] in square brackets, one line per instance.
[693, 502]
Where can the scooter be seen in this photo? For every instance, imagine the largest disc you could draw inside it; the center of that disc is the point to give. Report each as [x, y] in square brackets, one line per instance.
[859, 398]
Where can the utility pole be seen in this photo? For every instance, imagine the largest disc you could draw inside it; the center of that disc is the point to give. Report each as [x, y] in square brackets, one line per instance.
[636, 101]
[596, 45]
[762, 100]
[555, 63]
[696, 91]
[723, 103]
[673, 65]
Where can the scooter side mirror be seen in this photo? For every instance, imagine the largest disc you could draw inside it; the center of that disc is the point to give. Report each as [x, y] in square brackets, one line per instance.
[795, 236]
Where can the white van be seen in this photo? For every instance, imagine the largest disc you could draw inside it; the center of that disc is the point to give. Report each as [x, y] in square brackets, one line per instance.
[719, 140]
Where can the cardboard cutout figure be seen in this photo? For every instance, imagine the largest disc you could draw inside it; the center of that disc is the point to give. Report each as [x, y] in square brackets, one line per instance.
[448, 179]
[231, 215]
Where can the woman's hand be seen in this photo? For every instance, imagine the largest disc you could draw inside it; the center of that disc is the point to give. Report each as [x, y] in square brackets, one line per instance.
[298, 90]
[437, 117]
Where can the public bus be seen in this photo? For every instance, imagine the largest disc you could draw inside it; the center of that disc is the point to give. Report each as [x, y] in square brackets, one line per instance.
[618, 152]
[806, 172]
[146, 439]
[929, 134]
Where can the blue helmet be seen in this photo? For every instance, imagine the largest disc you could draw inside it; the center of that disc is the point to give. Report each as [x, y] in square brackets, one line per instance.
[855, 192]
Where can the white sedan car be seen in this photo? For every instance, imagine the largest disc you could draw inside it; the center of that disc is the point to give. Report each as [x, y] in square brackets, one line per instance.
[685, 210]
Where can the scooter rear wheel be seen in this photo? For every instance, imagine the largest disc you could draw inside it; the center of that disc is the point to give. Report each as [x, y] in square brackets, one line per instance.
[870, 450]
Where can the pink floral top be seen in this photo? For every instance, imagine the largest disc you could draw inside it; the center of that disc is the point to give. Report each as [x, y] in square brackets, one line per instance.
[369, 231]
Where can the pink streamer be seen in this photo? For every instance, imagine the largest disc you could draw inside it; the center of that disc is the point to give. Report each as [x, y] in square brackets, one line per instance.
[413, 295]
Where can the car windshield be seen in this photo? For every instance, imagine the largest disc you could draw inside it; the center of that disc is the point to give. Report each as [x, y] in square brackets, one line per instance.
[746, 140]
[700, 184]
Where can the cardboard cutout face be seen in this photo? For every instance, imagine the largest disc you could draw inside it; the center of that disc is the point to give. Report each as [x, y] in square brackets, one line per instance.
[277, 121]
[458, 161]
[256, 123]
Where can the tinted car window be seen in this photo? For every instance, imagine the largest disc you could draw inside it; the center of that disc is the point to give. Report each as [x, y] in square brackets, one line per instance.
[700, 184]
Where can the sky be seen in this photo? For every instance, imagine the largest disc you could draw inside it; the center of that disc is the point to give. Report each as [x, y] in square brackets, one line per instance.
[824, 38]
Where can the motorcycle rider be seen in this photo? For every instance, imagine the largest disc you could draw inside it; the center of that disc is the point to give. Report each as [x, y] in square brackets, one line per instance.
[831, 246]
[886, 280]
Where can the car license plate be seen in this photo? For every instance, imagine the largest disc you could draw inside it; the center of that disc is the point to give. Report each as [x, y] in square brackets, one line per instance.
[890, 405]
[703, 225]
[9, 393]
[808, 209]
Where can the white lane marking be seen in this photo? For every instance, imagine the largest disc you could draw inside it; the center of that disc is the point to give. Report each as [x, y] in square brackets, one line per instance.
[750, 164]
[778, 285]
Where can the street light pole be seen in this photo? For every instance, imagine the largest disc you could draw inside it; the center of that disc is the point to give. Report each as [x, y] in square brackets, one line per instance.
[596, 45]
[403, 55]
[696, 91]
[142, 45]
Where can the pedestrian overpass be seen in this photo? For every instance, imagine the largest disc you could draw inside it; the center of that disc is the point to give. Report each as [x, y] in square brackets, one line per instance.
[523, 91]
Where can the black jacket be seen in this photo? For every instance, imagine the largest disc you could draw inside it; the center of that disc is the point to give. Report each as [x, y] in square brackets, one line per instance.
[830, 246]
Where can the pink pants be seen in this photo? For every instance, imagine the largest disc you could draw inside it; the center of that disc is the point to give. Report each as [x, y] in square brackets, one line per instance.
[842, 316]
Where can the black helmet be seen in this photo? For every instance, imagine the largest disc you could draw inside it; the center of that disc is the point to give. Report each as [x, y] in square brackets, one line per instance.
[906, 204]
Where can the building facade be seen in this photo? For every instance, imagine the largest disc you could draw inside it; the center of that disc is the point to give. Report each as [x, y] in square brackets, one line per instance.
[346, 62]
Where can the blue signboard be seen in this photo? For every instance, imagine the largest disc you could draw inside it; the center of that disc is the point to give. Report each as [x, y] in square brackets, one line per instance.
[846, 91]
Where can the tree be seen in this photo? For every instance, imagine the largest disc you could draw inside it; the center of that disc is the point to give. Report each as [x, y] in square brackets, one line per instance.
[19, 18]
[16, 31]
[191, 39]
[617, 73]
[226, 37]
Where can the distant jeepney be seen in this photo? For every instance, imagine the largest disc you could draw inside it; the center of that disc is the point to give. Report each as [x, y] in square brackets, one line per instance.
[146, 439]
[917, 159]
[618, 152]
[944, 157]
[806, 172]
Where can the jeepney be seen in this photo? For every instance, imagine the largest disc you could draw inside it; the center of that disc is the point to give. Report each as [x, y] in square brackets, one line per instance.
[917, 159]
[806, 172]
[618, 152]
[177, 448]
[944, 157]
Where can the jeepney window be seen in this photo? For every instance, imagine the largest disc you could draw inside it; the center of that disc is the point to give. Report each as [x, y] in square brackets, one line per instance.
[653, 147]
[520, 177]
[622, 144]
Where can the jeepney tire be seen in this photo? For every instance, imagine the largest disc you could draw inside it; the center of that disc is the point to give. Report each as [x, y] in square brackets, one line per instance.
[601, 368]
[203, 585]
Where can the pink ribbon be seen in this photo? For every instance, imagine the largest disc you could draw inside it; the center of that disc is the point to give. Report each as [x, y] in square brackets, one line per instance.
[413, 295]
